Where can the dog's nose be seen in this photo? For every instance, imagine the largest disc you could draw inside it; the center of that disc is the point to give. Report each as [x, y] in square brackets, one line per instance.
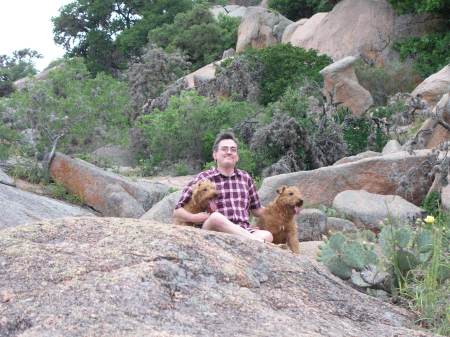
[216, 194]
[300, 202]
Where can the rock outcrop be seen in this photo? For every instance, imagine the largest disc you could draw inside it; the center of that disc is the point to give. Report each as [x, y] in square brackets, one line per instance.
[434, 87]
[88, 182]
[260, 28]
[378, 175]
[162, 212]
[357, 26]
[341, 80]
[119, 277]
[6, 179]
[119, 203]
[234, 11]
[19, 207]
[366, 210]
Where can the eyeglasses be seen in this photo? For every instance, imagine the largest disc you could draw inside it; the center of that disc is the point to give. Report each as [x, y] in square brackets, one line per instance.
[226, 149]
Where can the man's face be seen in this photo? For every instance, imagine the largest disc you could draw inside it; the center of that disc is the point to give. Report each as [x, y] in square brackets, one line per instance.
[226, 155]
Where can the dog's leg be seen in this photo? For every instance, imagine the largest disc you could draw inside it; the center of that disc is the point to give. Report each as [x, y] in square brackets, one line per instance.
[292, 242]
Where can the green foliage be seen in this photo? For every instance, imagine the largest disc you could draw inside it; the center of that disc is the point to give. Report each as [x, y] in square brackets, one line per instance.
[15, 67]
[197, 34]
[59, 191]
[180, 132]
[86, 28]
[286, 66]
[431, 51]
[301, 9]
[71, 110]
[432, 204]
[387, 81]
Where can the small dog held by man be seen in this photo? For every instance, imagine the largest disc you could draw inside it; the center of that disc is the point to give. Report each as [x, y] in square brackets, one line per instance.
[204, 194]
[278, 217]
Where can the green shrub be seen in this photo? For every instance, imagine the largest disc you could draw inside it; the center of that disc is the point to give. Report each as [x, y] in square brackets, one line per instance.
[432, 204]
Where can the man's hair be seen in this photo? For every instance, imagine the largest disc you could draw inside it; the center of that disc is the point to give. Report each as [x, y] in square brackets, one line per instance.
[223, 136]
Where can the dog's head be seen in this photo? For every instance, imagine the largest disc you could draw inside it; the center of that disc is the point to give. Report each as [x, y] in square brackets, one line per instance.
[290, 198]
[204, 193]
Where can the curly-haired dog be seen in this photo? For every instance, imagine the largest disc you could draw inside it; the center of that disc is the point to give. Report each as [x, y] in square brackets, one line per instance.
[203, 195]
[278, 218]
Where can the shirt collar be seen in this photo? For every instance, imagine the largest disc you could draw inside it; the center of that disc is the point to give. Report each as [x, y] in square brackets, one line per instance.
[216, 172]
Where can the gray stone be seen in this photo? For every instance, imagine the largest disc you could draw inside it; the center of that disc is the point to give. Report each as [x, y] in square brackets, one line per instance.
[311, 224]
[392, 147]
[6, 179]
[113, 155]
[366, 210]
[228, 53]
[119, 203]
[359, 156]
[114, 277]
[338, 225]
[199, 79]
[162, 212]
[19, 207]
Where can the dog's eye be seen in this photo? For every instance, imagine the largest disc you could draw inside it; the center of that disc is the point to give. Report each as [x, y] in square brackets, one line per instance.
[205, 189]
[291, 193]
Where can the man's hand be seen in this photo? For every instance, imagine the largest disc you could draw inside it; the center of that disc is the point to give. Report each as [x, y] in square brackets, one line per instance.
[258, 211]
[186, 216]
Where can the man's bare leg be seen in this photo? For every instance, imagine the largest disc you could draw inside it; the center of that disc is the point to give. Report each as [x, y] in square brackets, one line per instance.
[218, 223]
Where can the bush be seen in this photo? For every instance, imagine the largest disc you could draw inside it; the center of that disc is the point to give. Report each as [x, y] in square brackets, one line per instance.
[285, 66]
[301, 9]
[184, 130]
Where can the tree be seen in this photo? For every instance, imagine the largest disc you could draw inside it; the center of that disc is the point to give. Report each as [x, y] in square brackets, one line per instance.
[104, 32]
[70, 109]
[13, 68]
[198, 34]
[302, 9]
[432, 50]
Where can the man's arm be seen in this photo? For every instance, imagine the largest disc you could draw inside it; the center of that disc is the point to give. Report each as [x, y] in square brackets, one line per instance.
[186, 216]
[258, 211]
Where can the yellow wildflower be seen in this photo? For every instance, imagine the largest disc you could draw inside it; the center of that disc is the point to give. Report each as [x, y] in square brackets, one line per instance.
[430, 219]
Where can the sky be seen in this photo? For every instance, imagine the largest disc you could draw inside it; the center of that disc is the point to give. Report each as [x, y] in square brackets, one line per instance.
[27, 24]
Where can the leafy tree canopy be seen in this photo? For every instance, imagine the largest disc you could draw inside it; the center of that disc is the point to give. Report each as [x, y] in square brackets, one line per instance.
[197, 34]
[15, 67]
[301, 9]
[104, 32]
[432, 51]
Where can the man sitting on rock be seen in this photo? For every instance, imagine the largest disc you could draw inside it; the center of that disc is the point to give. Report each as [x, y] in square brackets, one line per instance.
[237, 195]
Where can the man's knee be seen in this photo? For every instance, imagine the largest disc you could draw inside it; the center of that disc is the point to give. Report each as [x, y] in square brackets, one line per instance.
[215, 221]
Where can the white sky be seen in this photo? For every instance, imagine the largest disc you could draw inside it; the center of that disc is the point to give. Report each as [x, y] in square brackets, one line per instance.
[27, 24]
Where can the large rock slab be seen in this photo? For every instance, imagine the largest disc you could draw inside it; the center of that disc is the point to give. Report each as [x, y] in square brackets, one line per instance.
[359, 156]
[340, 78]
[119, 204]
[128, 277]
[366, 210]
[113, 155]
[434, 87]
[6, 179]
[260, 28]
[19, 207]
[355, 26]
[377, 175]
[88, 182]
[162, 212]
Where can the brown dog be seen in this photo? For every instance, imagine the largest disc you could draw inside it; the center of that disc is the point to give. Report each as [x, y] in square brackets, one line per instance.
[278, 218]
[203, 195]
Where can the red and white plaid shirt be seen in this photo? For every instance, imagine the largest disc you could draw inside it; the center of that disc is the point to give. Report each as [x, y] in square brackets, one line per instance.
[237, 195]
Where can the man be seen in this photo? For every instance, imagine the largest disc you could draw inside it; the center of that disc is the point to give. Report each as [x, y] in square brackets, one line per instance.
[237, 191]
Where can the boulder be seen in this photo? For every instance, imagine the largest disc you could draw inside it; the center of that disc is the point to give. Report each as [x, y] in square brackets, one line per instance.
[234, 11]
[42, 76]
[207, 71]
[434, 87]
[123, 277]
[445, 198]
[19, 207]
[359, 156]
[119, 204]
[338, 225]
[113, 155]
[340, 78]
[391, 147]
[228, 53]
[357, 26]
[260, 28]
[377, 175]
[6, 179]
[162, 212]
[366, 210]
[311, 224]
[433, 138]
[88, 182]
[287, 34]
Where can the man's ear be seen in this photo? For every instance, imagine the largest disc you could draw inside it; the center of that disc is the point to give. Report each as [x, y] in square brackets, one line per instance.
[215, 155]
[281, 189]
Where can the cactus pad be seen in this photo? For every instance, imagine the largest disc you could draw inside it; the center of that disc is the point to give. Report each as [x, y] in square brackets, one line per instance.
[357, 280]
[370, 257]
[353, 255]
[336, 242]
[402, 237]
[425, 241]
[407, 260]
[338, 268]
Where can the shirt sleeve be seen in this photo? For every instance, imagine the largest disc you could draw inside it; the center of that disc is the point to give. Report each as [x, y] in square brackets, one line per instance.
[255, 203]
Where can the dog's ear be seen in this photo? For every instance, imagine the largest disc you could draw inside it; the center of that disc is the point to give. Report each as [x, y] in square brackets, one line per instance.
[281, 189]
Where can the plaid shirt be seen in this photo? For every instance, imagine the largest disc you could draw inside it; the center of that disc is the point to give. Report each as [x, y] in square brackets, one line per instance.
[237, 194]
